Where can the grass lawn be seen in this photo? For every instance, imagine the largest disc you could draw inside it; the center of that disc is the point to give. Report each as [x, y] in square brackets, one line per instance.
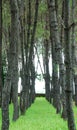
[40, 116]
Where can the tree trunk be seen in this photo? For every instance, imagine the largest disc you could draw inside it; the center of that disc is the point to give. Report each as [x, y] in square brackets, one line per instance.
[75, 79]
[68, 63]
[73, 47]
[31, 49]
[56, 48]
[32, 85]
[14, 56]
[0, 52]
[6, 95]
[62, 70]
[47, 75]
[5, 102]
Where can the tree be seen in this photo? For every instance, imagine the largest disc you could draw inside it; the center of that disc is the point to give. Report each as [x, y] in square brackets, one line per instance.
[62, 69]
[46, 64]
[0, 52]
[34, 31]
[56, 54]
[68, 63]
[14, 55]
[29, 54]
[73, 45]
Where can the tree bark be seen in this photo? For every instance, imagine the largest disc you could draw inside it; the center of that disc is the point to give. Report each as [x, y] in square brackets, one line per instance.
[75, 79]
[56, 48]
[73, 51]
[14, 55]
[31, 49]
[68, 63]
[6, 95]
[21, 5]
[62, 70]
[0, 52]
[5, 102]
[32, 84]
[47, 75]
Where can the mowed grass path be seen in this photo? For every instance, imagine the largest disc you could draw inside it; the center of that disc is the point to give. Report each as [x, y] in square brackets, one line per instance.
[40, 116]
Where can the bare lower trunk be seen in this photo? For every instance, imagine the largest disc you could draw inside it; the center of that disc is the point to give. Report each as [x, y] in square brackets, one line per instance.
[47, 75]
[14, 55]
[56, 48]
[68, 63]
[0, 52]
[6, 96]
[32, 90]
[5, 103]
[75, 79]
[62, 71]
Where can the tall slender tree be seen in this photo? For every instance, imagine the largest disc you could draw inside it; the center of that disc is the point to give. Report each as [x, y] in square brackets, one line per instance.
[14, 55]
[47, 75]
[21, 6]
[0, 52]
[68, 63]
[74, 74]
[62, 68]
[29, 52]
[56, 52]
[6, 94]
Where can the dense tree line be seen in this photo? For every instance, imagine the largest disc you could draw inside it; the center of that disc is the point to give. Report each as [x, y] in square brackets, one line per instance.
[25, 25]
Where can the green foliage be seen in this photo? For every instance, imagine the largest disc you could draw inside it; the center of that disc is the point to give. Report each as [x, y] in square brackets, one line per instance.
[39, 77]
[43, 7]
[6, 14]
[41, 32]
[6, 22]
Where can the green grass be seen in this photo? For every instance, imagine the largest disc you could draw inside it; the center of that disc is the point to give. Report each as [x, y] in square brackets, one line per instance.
[40, 116]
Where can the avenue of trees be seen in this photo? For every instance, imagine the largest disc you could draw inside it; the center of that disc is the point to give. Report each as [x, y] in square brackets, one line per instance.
[28, 28]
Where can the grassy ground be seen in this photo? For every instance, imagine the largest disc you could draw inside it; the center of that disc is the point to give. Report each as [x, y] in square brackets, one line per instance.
[40, 116]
